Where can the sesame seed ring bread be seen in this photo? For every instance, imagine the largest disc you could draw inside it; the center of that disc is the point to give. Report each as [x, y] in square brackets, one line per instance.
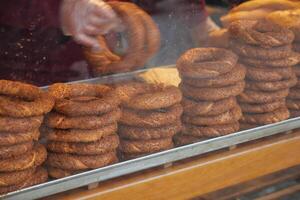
[262, 108]
[105, 99]
[55, 172]
[145, 146]
[288, 18]
[260, 33]
[155, 118]
[207, 108]
[272, 85]
[212, 94]
[15, 150]
[294, 113]
[59, 121]
[236, 75]
[210, 131]
[135, 39]
[18, 89]
[252, 96]
[144, 96]
[293, 104]
[140, 133]
[81, 162]
[40, 105]
[11, 124]
[294, 93]
[79, 135]
[206, 62]
[228, 117]
[180, 140]
[7, 139]
[266, 118]
[258, 52]
[143, 38]
[104, 145]
[15, 177]
[29, 159]
[40, 176]
[288, 61]
[274, 73]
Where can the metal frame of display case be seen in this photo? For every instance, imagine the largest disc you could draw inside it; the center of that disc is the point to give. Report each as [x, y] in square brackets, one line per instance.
[153, 160]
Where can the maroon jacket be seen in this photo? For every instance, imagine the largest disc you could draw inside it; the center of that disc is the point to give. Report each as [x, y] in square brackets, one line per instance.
[33, 48]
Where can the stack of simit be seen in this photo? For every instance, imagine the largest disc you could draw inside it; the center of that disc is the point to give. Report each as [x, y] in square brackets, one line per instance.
[81, 131]
[22, 109]
[150, 118]
[265, 48]
[211, 80]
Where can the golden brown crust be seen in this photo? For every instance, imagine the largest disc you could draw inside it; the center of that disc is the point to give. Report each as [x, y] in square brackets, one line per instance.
[213, 94]
[15, 150]
[251, 96]
[30, 159]
[11, 124]
[262, 108]
[38, 177]
[206, 62]
[210, 131]
[55, 172]
[228, 117]
[274, 73]
[40, 105]
[59, 121]
[18, 89]
[236, 75]
[154, 118]
[266, 118]
[148, 96]
[271, 85]
[78, 135]
[261, 53]
[141, 133]
[104, 145]
[260, 33]
[181, 140]
[17, 138]
[105, 99]
[207, 108]
[79, 162]
[15, 177]
[145, 146]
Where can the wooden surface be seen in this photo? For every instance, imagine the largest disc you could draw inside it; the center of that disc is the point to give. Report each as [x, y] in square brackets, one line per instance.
[202, 175]
[257, 185]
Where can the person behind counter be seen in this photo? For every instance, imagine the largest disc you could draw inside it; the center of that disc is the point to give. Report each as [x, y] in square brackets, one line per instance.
[40, 41]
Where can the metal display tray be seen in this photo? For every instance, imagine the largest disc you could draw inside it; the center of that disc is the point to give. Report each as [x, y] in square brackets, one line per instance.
[146, 162]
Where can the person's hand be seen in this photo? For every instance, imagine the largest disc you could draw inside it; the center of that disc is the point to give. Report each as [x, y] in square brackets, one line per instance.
[85, 19]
